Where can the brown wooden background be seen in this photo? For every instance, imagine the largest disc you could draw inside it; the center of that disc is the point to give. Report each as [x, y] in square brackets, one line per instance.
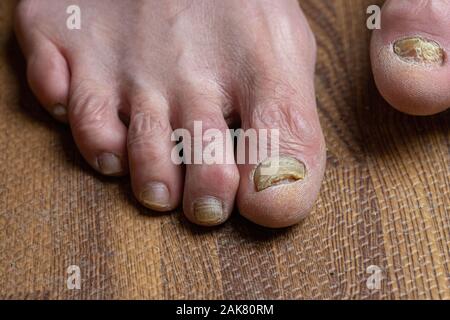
[385, 201]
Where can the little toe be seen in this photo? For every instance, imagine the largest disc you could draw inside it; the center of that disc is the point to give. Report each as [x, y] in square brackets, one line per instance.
[49, 79]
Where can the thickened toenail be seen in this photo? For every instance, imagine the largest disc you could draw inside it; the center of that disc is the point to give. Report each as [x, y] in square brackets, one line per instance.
[209, 211]
[419, 50]
[109, 164]
[275, 171]
[155, 196]
[59, 111]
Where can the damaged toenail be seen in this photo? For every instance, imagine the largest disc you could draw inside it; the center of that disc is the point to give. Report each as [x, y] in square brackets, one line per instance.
[109, 164]
[419, 50]
[209, 211]
[59, 110]
[155, 196]
[276, 171]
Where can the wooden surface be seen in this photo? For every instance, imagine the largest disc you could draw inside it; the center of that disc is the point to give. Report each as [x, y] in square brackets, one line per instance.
[385, 201]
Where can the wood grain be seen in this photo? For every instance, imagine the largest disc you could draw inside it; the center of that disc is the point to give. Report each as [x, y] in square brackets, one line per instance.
[385, 201]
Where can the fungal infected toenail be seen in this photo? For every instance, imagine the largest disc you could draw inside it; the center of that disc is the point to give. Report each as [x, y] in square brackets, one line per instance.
[109, 164]
[209, 211]
[419, 50]
[275, 171]
[155, 196]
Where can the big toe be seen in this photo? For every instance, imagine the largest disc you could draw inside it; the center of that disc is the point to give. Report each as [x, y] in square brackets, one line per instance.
[409, 56]
[47, 69]
[281, 188]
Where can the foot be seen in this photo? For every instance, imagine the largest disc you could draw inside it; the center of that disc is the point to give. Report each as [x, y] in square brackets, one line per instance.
[163, 65]
[410, 55]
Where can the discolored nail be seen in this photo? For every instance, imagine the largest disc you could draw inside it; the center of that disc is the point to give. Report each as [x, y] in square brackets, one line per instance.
[275, 171]
[420, 50]
[209, 211]
[59, 111]
[109, 164]
[155, 196]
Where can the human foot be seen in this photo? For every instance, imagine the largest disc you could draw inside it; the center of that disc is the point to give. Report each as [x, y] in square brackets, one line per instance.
[164, 65]
[410, 55]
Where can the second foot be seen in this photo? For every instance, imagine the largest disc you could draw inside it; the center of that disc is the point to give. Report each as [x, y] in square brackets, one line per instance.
[410, 55]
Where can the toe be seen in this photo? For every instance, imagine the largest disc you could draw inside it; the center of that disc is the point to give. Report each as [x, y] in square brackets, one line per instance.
[156, 177]
[280, 185]
[48, 77]
[212, 177]
[47, 70]
[409, 56]
[96, 127]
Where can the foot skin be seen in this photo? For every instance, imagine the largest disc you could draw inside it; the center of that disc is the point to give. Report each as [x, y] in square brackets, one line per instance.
[410, 55]
[165, 64]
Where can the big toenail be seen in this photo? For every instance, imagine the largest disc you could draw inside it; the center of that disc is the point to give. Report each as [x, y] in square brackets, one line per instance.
[420, 50]
[109, 164]
[155, 196]
[209, 211]
[59, 110]
[276, 171]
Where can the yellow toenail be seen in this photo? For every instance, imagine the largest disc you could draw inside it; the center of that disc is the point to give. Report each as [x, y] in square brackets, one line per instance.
[109, 164]
[59, 110]
[155, 196]
[209, 211]
[275, 171]
[420, 50]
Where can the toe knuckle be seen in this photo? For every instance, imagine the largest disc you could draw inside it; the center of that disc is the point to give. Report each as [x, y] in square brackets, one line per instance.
[88, 112]
[297, 127]
[144, 127]
[197, 90]
[211, 121]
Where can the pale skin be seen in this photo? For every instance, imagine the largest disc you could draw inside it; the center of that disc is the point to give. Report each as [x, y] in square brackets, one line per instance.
[164, 64]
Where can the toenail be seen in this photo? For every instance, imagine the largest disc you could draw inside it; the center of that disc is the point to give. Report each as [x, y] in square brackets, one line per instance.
[420, 50]
[209, 211]
[109, 164]
[155, 196]
[59, 110]
[276, 171]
